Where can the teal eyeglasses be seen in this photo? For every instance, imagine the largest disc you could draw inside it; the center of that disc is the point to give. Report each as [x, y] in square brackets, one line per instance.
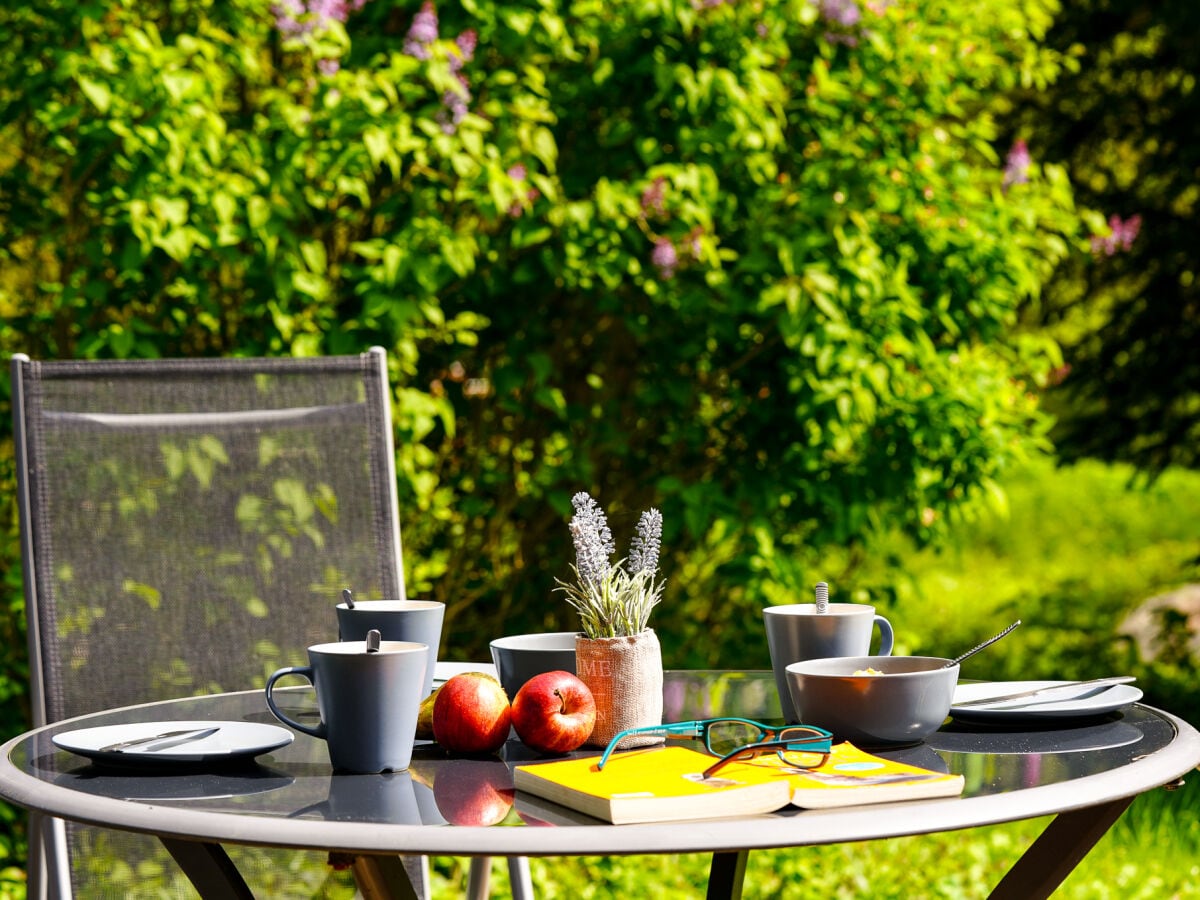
[737, 740]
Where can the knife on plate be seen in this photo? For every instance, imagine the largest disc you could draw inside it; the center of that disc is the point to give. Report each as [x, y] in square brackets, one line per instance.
[167, 738]
[1064, 685]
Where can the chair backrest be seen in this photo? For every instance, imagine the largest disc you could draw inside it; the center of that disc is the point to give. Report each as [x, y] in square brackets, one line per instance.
[188, 525]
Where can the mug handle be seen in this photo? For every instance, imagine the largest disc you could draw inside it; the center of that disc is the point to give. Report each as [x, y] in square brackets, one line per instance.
[303, 672]
[886, 639]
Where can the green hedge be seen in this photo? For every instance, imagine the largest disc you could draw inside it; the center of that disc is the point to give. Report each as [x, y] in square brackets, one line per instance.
[757, 264]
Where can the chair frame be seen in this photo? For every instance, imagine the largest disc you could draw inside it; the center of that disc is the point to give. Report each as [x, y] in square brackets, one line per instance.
[48, 871]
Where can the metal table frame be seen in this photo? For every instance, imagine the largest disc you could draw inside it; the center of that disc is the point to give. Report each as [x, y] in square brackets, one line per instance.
[1084, 809]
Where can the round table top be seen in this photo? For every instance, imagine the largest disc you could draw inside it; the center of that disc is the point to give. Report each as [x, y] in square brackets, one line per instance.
[290, 797]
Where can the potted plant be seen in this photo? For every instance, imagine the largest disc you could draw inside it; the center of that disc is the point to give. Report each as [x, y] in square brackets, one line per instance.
[617, 654]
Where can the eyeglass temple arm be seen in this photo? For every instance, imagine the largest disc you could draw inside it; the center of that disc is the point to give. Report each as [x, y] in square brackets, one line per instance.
[813, 745]
[676, 729]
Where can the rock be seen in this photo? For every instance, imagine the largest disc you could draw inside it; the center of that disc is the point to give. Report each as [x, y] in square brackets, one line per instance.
[1145, 625]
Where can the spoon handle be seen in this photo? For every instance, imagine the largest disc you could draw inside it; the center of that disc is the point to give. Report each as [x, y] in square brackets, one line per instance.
[986, 643]
[822, 597]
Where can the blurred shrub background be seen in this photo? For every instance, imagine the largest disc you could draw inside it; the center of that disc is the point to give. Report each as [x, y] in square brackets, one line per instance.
[815, 277]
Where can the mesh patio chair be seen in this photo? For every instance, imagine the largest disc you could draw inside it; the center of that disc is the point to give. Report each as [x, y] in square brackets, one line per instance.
[187, 527]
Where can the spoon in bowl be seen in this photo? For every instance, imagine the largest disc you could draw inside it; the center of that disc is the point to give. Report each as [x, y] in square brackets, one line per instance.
[986, 643]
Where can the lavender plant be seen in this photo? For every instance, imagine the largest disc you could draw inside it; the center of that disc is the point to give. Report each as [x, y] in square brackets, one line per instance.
[613, 599]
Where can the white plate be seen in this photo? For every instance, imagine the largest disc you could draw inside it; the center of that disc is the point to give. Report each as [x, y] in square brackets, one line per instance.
[230, 741]
[1087, 700]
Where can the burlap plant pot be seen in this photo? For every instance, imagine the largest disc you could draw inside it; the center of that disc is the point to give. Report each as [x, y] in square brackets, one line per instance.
[625, 676]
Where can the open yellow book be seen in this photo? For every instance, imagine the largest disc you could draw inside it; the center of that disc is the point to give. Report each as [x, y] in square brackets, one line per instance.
[663, 784]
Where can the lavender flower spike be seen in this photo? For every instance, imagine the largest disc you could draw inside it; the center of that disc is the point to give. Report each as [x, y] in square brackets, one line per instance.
[612, 599]
[593, 540]
[643, 552]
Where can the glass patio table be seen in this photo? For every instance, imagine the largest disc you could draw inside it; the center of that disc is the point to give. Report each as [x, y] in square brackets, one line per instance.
[1084, 772]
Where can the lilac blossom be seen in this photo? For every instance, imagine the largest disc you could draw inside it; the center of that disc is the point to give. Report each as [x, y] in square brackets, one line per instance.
[1016, 165]
[466, 43]
[296, 17]
[654, 196]
[422, 32]
[1122, 234]
[287, 17]
[664, 258]
[849, 40]
[840, 12]
[516, 209]
[844, 16]
[454, 109]
[518, 173]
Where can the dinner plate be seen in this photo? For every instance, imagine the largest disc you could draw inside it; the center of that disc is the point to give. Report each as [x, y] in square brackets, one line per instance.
[1086, 700]
[228, 742]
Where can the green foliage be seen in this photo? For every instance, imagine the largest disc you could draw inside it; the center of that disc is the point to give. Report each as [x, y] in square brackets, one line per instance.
[833, 347]
[831, 350]
[1124, 122]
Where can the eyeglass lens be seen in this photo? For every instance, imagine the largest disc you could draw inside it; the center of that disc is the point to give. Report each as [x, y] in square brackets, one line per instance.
[725, 736]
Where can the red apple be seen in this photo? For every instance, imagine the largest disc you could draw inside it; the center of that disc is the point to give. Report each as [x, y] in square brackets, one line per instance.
[473, 791]
[554, 712]
[471, 714]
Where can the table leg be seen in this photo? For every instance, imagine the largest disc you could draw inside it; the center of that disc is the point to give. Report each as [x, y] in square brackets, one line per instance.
[390, 877]
[1057, 851]
[479, 878]
[209, 868]
[727, 874]
[519, 878]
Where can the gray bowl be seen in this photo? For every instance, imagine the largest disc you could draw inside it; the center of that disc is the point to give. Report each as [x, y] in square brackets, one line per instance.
[904, 705]
[521, 656]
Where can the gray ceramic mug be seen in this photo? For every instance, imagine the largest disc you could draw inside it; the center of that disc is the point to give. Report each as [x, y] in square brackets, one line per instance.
[797, 632]
[396, 620]
[368, 701]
